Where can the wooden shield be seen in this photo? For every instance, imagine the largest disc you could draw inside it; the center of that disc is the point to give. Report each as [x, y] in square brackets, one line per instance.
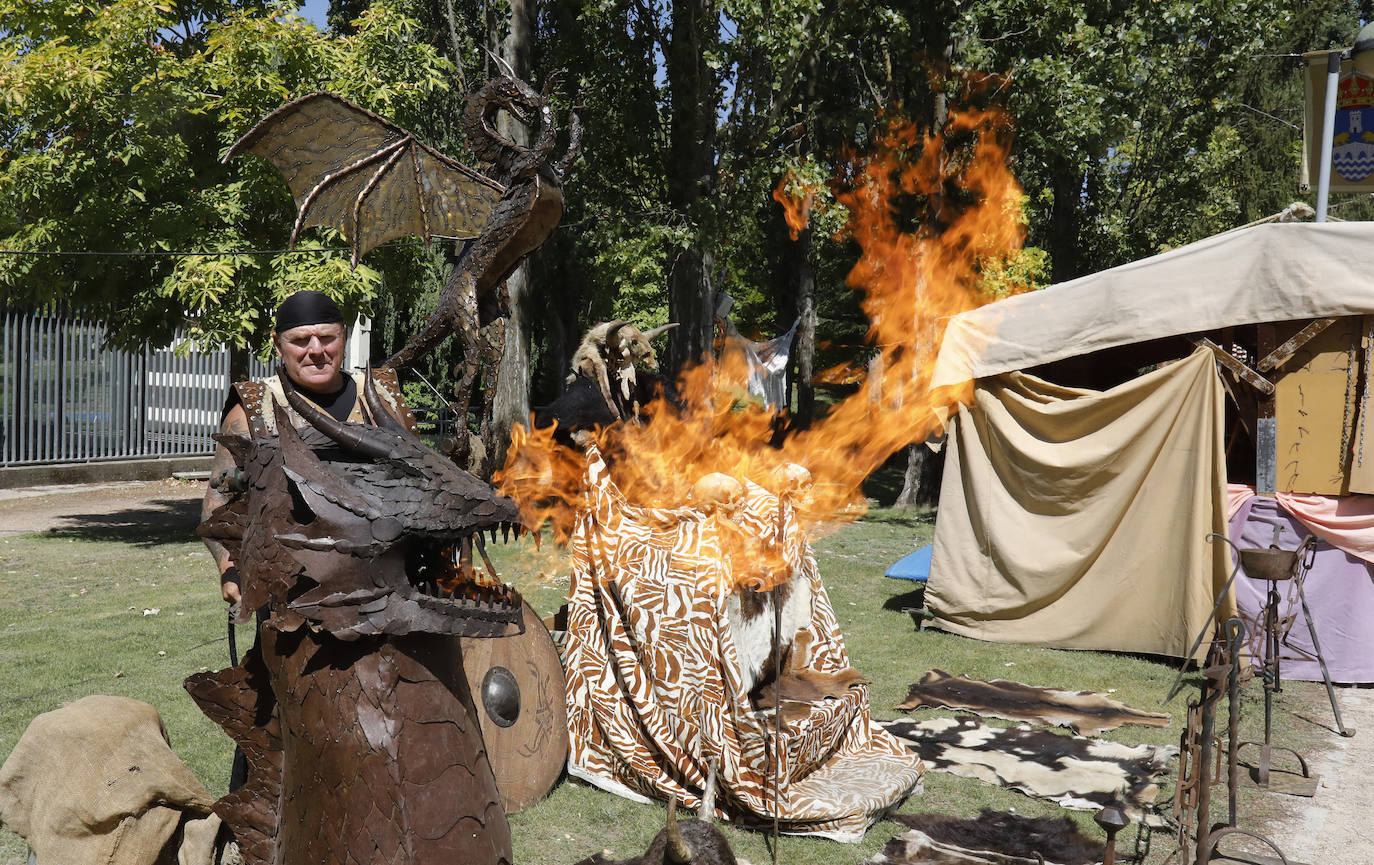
[517, 685]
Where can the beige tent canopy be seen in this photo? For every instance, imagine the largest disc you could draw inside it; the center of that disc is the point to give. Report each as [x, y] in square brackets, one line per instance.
[1263, 273]
[1075, 513]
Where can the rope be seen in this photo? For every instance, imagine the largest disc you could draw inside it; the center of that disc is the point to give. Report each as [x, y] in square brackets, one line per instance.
[188, 253]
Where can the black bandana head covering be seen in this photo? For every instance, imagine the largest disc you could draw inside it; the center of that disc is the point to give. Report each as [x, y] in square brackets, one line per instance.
[307, 307]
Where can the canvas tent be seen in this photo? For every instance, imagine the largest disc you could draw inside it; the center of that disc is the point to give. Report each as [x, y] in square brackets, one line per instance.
[1112, 411]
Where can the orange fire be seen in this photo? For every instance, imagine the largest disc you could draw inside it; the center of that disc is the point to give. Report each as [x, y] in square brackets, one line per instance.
[797, 197]
[914, 275]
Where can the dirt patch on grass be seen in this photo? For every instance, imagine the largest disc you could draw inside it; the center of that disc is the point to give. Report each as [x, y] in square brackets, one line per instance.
[150, 510]
[1332, 826]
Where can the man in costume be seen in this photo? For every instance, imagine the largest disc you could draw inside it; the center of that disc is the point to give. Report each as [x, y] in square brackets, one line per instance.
[309, 337]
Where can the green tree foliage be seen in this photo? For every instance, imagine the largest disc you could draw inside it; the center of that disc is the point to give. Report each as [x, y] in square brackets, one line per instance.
[115, 117]
[1141, 124]
[1151, 123]
[695, 114]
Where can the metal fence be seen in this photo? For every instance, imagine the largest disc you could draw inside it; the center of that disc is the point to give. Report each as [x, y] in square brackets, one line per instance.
[66, 398]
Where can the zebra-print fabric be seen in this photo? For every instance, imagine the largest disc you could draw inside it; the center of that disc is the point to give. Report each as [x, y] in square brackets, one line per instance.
[654, 685]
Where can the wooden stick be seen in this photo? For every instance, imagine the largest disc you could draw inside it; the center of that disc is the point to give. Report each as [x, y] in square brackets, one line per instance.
[1243, 372]
[1279, 356]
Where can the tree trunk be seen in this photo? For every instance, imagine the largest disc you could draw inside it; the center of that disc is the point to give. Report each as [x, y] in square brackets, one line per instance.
[690, 176]
[511, 403]
[921, 486]
[1067, 185]
[689, 304]
[238, 363]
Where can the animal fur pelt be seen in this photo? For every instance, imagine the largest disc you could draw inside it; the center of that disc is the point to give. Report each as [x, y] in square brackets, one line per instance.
[1074, 771]
[801, 687]
[608, 355]
[690, 842]
[1085, 712]
[993, 838]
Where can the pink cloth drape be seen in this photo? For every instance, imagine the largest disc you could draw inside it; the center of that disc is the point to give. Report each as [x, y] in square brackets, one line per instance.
[1344, 522]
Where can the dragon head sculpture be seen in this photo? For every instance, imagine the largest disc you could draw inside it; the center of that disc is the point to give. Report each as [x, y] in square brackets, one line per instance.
[364, 530]
[507, 92]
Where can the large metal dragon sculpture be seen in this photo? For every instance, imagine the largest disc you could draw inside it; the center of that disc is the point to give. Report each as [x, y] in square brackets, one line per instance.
[356, 543]
[361, 734]
[372, 180]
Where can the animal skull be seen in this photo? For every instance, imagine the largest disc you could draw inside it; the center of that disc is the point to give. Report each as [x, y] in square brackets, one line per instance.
[717, 491]
[612, 350]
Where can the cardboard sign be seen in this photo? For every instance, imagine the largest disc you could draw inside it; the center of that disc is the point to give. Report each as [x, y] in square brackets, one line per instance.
[1314, 402]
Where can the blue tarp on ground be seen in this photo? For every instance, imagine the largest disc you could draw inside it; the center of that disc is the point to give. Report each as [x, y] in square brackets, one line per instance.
[913, 566]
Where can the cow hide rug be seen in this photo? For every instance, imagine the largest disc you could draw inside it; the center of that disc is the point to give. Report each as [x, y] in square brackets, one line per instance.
[993, 838]
[1076, 772]
[1085, 712]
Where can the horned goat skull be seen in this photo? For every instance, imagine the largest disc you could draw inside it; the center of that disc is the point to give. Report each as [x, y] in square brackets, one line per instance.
[610, 351]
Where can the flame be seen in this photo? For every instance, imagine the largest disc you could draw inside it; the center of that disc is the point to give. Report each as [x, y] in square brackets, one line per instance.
[797, 196]
[914, 274]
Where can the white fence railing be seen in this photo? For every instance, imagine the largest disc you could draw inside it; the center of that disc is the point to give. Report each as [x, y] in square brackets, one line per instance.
[66, 398]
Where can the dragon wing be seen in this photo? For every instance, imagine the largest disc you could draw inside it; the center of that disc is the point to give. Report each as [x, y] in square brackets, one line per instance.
[362, 174]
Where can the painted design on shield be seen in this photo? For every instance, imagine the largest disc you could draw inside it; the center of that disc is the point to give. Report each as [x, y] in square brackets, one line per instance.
[1352, 152]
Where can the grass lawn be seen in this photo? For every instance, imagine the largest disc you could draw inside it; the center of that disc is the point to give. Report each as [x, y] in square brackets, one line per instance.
[133, 612]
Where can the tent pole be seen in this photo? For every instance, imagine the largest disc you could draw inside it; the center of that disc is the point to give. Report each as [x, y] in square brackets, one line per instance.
[1266, 425]
[1333, 74]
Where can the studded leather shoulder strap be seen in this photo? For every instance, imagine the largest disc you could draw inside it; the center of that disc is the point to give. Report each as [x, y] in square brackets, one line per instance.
[250, 394]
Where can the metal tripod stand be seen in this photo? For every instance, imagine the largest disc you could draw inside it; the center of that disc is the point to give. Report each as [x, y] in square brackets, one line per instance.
[1275, 566]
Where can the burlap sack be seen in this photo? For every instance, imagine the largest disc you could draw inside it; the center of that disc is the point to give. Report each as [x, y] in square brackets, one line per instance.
[96, 783]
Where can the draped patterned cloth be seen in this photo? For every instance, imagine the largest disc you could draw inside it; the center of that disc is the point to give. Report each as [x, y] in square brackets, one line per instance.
[655, 691]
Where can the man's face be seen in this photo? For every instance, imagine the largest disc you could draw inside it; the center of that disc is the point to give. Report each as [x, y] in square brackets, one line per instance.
[312, 355]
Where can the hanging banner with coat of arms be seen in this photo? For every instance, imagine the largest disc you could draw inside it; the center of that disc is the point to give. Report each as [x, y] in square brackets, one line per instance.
[1352, 148]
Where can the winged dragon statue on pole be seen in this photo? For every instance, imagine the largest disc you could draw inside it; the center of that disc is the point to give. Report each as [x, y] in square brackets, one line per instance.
[354, 171]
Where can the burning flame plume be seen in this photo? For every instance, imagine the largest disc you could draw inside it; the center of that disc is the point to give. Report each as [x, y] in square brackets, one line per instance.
[797, 197]
[931, 212]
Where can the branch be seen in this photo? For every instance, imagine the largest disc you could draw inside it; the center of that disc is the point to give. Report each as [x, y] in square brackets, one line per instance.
[1020, 32]
[651, 24]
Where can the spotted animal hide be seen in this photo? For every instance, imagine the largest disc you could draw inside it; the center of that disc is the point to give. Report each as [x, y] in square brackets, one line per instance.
[993, 838]
[1074, 771]
[1085, 712]
[752, 624]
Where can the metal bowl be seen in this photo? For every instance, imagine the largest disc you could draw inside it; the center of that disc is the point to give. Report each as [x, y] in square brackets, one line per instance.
[1270, 564]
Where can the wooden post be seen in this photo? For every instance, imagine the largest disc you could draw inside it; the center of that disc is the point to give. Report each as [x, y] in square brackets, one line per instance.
[1266, 426]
